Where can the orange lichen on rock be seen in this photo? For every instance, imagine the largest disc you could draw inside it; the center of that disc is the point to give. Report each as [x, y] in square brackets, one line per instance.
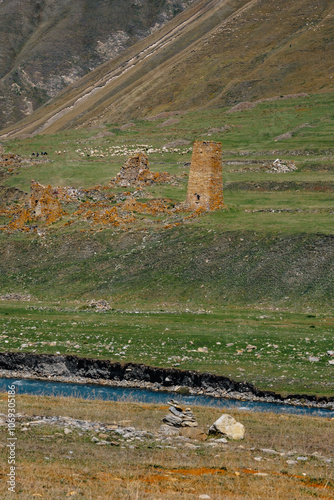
[205, 186]
[18, 217]
[43, 204]
[135, 172]
[152, 207]
[102, 213]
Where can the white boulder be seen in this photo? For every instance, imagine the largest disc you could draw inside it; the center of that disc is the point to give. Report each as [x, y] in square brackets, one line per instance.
[229, 427]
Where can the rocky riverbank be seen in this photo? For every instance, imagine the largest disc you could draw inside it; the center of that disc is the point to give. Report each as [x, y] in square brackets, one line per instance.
[98, 371]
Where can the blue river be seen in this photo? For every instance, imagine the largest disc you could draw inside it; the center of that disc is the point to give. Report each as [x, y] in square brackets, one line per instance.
[108, 393]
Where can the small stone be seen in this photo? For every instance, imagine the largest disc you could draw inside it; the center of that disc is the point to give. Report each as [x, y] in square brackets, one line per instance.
[124, 423]
[192, 433]
[176, 405]
[103, 436]
[172, 420]
[190, 446]
[167, 430]
[67, 431]
[175, 412]
[188, 423]
[204, 497]
[291, 462]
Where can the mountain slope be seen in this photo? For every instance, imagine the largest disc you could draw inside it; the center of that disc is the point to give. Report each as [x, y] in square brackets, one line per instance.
[48, 44]
[214, 54]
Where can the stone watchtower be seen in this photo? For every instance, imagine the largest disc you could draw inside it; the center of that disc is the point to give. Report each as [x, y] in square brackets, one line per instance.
[205, 186]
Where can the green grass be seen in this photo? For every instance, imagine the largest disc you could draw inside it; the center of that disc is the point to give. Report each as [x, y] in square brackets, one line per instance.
[283, 341]
[251, 135]
[269, 250]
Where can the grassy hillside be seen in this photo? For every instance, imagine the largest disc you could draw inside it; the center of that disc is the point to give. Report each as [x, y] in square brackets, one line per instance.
[258, 272]
[214, 54]
[271, 243]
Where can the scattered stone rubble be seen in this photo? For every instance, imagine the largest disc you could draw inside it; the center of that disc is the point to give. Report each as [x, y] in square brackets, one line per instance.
[99, 305]
[282, 167]
[42, 205]
[15, 296]
[124, 435]
[10, 160]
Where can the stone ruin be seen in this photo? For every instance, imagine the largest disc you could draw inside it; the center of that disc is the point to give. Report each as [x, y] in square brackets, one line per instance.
[205, 185]
[43, 204]
[205, 192]
[134, 169]
[135, 172]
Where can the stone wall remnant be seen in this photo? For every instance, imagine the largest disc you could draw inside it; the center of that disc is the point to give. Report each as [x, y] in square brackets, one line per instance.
[135, 172]
[43, 204]
[205, 185]
[134, 169]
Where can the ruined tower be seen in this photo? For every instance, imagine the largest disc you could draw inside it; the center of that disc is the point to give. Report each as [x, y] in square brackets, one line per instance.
[205, 186]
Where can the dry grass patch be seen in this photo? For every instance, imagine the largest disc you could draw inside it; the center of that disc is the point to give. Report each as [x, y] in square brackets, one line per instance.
[52, 464]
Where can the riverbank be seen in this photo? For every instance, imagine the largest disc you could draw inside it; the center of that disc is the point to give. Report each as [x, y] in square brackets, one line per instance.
[64, 368]
[61, 453]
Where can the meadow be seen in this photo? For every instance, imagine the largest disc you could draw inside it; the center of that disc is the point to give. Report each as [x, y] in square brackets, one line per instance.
[281, 351]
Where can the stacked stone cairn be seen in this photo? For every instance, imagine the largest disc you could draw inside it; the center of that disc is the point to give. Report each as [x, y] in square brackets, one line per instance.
[179, 417]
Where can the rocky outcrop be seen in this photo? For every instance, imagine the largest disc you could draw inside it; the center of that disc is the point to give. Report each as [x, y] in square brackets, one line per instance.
[99, 305]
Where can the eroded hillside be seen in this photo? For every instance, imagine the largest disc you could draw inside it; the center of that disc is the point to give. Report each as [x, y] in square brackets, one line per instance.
[215, 53]
[48, 44]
